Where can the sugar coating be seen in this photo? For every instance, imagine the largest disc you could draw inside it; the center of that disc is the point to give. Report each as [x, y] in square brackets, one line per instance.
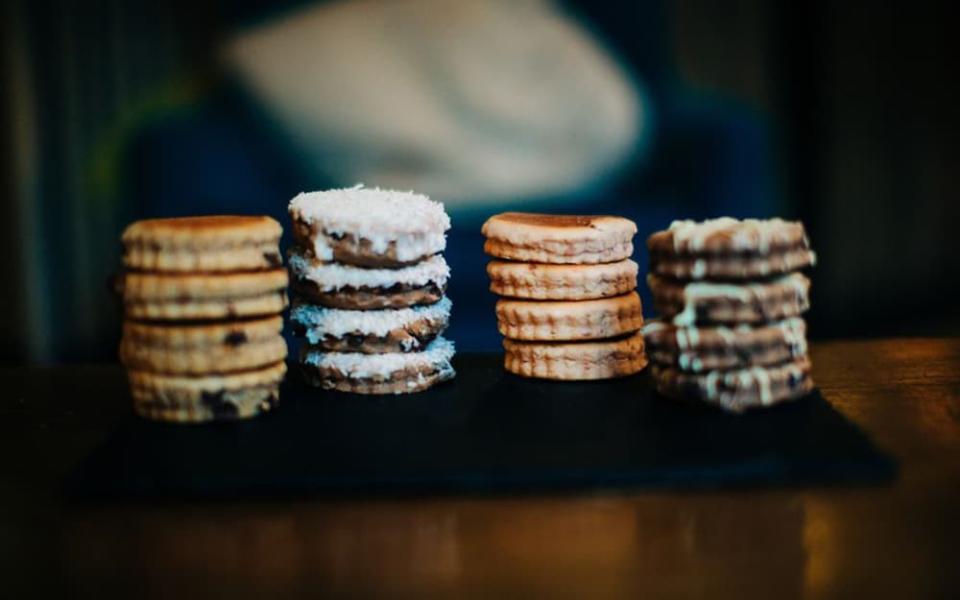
[413, 223]
[336, 276]
[355, 365]
[748, 234]
[321, 321]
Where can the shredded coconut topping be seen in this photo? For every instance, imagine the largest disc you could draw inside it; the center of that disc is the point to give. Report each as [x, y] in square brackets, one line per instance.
[336, 276]
[437, 355]
[413, 223]
[320, 321]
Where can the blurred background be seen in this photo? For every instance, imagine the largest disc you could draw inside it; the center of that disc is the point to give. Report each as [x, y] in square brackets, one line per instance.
[843, 115]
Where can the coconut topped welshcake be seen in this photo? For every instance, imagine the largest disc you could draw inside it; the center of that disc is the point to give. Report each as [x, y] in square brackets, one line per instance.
[369, 226]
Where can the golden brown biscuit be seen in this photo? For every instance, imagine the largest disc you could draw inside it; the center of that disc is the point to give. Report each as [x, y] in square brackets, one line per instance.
[559, 239]
[576, 360]
[563, 320]
[536, 281]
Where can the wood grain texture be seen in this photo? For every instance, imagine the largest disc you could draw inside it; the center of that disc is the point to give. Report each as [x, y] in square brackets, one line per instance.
[897, 540]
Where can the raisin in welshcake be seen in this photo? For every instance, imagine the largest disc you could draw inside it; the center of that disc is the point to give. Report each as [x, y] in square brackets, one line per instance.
[202, 244]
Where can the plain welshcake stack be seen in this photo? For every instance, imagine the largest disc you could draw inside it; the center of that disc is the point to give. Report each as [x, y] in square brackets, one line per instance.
[202, 298]
[568, 309]
[368, 281]
[731, 299]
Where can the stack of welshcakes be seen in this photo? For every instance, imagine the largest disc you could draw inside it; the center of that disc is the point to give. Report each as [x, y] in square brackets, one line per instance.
[731, 300]
[569, 310]
[202, 298]
[369, 284]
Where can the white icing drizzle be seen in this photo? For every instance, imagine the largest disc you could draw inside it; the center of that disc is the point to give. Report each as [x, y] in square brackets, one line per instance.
[320, 321]
[693, 292]
[748, 234]
[335, 276]
[413, 223]
[437, 355]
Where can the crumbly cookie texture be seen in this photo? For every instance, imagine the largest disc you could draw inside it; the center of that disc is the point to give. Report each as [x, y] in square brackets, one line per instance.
[203, 335]
[603, 359]
[684, 304]
[561, 282]
[372, 331]
[573, 320]
[184, 287]
[393, 373]
[202, 244]
[195, 399]
[369, 226]
[704, 348]
[739, 389]
[558, 239]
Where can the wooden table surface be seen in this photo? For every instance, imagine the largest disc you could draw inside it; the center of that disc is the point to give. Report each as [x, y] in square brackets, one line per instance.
[898, 540]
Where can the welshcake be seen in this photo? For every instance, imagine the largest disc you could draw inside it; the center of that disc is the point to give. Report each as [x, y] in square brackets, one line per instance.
[537, 281]
[706, 348]
[558, 239]
[738, 389]
[569, 320]
[202, 244]
[727, 302]
[356, 288]
[193, 296]
[392, 373]
[207, 348]
[370, 331]
[369, 227]
[603, 359]
[729, 249]
[197, 399]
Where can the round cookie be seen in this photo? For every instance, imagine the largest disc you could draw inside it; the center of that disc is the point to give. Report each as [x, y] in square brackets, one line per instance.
[370, 331]
[187, 399]
[207, 348]
[698, 349]
[183, 296]
[569, 321]
[728, 248]
[394, 373]
[739, 389]
[684, 304]
[558, 239]
[369, 227]
[561, 282]
[354, 288]
[575, 361]
[207, 244]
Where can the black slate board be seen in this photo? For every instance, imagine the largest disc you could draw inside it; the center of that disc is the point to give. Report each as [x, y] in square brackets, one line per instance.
[486, 431]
